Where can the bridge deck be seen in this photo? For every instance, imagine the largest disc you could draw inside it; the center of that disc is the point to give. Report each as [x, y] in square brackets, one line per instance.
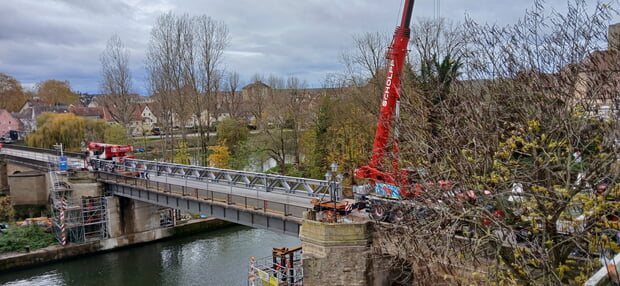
[277, 212]
[261, 200]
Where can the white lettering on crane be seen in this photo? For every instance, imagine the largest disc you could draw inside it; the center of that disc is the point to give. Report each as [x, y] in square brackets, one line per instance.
[388, 84]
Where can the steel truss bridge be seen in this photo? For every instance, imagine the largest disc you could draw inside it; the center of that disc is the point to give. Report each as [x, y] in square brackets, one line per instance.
[273, 202]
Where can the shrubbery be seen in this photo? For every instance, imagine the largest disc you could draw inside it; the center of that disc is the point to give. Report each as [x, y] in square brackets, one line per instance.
[19, 238]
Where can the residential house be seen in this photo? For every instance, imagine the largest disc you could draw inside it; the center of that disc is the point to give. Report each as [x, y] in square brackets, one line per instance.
[142, 120]
[258, 97]
[31, 110]
[97, 99]
[593, 83]
[87, 112]
[597, 83]
[9, 122]
[147, 120]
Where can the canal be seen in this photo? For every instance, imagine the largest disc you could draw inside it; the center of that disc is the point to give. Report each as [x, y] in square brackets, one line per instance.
[215, 258]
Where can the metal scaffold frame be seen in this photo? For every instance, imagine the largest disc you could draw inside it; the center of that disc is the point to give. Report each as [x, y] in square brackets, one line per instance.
[73, 220]
[94, 218]
[282, 268]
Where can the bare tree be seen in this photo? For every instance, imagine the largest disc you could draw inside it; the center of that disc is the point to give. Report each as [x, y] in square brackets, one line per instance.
[233, 99]
[116, 82]
[301, 103]
[256, 95]
[365, 67]
[183, 59]
[366, 59]
[436, 38]
[275, 139]
[165, 71]
[212, 38]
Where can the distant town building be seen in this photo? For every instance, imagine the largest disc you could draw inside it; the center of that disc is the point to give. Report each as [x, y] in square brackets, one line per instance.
[9, 122]
[32, 108]
[87, 112]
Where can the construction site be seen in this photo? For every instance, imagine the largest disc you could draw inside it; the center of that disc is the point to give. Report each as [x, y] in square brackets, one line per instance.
[283, 267]
[75, 219]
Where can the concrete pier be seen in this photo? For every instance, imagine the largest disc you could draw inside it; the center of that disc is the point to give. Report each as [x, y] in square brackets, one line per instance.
[337, 253]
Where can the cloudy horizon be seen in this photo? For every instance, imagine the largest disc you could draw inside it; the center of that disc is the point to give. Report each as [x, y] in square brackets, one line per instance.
[63, 39]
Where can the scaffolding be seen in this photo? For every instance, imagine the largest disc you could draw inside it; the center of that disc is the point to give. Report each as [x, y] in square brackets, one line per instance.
[94, 218]
[75, 220]
[282, 268]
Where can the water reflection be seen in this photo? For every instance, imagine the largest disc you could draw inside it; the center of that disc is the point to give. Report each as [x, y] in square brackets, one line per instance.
[45, 279]
[215, 258]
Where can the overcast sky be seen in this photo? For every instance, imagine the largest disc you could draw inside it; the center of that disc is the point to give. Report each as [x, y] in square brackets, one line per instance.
[63, 39]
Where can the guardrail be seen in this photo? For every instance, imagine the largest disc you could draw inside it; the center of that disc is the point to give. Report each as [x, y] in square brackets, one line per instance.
[202, 194]
[44, 151]
[250, 180]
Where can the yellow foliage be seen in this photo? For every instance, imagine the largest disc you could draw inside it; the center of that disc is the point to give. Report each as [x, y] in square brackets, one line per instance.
[220, 156]
[562, 269]
[182, 156]
[533, 126]
[52, 128]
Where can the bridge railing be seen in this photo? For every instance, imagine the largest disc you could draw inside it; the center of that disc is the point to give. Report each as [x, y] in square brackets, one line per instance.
[250, 180]
[44, 151]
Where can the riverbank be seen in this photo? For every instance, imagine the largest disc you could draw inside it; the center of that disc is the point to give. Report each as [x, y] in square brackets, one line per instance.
[12, 261]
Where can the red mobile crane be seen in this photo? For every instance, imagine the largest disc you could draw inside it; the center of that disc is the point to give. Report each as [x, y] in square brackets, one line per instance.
[390, 181]
[386, 182]
[105, 151]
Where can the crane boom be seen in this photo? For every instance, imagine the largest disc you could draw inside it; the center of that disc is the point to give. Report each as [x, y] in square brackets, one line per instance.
[397, 53]
[388, 182]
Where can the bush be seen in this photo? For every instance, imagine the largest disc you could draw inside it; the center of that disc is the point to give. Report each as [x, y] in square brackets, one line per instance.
[7, 212]
[18, 238]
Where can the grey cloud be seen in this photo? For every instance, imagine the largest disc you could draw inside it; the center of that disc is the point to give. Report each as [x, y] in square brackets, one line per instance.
[99, 7]
[62, 39]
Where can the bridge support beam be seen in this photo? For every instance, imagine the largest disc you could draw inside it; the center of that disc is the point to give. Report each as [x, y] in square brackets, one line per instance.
[337, 253]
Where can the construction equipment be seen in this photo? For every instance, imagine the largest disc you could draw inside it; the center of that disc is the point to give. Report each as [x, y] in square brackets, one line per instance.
[105, 151]
[388, 181]
[111, 154]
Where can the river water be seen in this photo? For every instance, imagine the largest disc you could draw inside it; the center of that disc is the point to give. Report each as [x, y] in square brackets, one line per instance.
[213, 258]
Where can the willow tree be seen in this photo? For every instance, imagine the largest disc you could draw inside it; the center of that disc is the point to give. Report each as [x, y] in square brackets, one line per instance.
[53, 128]
[530, 155]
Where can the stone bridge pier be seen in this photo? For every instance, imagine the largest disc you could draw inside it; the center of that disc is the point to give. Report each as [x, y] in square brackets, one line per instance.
[341, 254]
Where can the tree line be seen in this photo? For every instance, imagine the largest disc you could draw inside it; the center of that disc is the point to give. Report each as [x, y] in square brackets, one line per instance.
[53, 92]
